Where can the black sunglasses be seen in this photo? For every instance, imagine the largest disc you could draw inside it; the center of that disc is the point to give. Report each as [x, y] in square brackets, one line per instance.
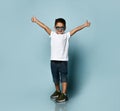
[60, 28]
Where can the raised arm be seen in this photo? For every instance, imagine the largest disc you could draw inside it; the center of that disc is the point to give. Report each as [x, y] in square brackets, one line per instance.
[42, 25]
[86, 24]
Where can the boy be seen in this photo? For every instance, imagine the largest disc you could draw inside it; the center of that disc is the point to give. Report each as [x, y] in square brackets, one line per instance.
[59, 54]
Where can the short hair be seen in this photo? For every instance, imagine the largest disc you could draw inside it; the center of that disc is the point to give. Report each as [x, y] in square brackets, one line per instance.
[61, 20]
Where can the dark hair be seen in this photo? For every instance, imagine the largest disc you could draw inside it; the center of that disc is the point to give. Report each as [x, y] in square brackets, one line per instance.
[61, 20]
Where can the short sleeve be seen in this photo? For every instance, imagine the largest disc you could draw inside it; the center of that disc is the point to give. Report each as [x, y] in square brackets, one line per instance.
[51, 34]
[68, 35]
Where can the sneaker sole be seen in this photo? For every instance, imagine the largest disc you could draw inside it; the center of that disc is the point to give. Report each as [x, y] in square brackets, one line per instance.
[54, 97]
[61, 101]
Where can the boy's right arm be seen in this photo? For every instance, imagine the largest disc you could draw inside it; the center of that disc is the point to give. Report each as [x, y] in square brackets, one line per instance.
[42, 25]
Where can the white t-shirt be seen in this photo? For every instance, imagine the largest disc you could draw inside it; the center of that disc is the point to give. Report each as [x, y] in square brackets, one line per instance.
[59, 46]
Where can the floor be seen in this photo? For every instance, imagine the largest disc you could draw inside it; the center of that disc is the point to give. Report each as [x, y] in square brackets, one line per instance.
[98, 94]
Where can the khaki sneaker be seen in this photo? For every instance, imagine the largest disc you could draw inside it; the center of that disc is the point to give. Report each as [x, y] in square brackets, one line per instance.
[55, 95]
[62, 98]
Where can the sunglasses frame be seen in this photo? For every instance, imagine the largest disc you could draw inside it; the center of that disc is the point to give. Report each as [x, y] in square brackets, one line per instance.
[60, 28]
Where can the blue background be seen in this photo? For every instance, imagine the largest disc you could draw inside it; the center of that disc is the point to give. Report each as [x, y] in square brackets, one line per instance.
[94, 54]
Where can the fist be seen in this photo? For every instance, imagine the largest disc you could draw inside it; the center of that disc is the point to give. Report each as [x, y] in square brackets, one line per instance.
[87, 23]
[33, 19]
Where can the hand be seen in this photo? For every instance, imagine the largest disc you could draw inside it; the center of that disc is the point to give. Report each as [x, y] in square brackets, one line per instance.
[33, 19]
[87, 24]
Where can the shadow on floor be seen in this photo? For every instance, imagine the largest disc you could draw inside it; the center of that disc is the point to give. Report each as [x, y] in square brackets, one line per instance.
[76, 72]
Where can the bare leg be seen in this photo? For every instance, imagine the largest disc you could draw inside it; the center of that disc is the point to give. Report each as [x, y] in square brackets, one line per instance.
[64, 87]
[57, 86]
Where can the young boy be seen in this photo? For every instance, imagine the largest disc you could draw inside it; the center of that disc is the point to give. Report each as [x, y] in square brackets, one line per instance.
[59, 55]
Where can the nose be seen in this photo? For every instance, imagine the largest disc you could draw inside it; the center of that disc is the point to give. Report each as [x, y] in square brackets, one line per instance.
[60, 30]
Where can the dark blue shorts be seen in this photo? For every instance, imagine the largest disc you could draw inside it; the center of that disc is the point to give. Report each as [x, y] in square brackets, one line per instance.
[59, 71]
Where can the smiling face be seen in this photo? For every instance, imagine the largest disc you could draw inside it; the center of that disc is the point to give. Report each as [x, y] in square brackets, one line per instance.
[60, 28]
[60, 25]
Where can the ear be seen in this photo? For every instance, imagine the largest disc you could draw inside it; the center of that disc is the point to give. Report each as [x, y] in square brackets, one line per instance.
[54, 27]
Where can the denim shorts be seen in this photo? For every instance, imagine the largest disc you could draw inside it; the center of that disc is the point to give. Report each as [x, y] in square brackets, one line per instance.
[59, 71]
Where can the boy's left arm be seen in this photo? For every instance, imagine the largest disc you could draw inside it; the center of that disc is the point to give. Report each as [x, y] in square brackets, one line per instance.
[86, 24]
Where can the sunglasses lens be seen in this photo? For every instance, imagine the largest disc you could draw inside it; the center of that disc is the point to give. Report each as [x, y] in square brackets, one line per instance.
[60, 28]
